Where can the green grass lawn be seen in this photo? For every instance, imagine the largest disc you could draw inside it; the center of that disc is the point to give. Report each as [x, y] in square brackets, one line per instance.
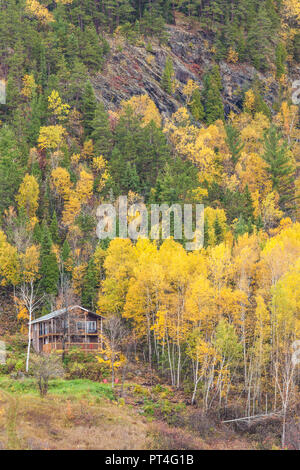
[78, 388]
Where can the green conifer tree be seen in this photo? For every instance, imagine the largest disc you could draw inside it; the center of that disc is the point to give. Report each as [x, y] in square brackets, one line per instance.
[234, 142]
[54, 231]
[90, 284]
[280, 168]
[101, 131]
[196, 106]
[49, 269]
[168, 76]
[89, 106]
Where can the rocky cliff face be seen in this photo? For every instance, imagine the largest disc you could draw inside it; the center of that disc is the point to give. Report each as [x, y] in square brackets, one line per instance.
[134, 70]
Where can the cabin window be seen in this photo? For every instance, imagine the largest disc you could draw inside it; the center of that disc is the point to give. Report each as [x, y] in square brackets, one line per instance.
[80, 326]
[91, 327]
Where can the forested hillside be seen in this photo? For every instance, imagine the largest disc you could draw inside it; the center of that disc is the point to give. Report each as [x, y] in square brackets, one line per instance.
[165, 101]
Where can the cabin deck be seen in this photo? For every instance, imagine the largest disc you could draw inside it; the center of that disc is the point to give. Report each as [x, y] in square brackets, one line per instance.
[88, 347]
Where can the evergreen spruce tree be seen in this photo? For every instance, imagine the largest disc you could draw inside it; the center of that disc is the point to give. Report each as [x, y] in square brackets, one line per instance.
[216, 76]
[168, 76]
[234, 142]
[259, 39]
[37, 233]
[10, 168]
[34, 123]
[66, 251]
[280, 168]
[49, 269]
[42, 67]
[101, 132]
[206, 235]
[90, 283]
[54, 231]
[241, 227]
[196, 106]
[248, 203]
[213, 104]
[65, 257]
[89, 106]
[91, 48]
[281, 56]
[218, 231]
[296, 47]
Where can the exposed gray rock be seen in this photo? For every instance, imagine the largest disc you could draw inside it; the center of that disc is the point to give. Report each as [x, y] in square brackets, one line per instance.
[134, 71]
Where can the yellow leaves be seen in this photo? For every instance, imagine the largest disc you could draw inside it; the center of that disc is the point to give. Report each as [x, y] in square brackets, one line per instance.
[150, 59]
[262, 314]
[61, 181]
[292, 10]
[75, 159]
[120, 258]
[220, 264]
[144, 108]
[281, 253]
[270, 211]
[51, 137]
[180, 118]
[99, 164]
[71, 210]
[88, 150]
[38, 10]
[9, 262]
[55, 104]
[189, 89]
[109, 357]
[233, 56]
[249, 102]
[77, 278]
[246, 254]
[286, 304]
[23, 314]
[283, 224]
[30, 263]
[198, 145]
[28, 195]
[29, 86]
[288, 119]
[145, 286]
[199, 303]
[84, 187]
[203, 350]
[229, 303]
[252, 131]
[297, 195]
[73, 197]
[118, 265]
[16, 267]
[160, 325]
[252, 171]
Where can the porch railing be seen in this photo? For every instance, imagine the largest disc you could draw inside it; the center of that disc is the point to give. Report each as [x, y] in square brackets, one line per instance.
[47, 348]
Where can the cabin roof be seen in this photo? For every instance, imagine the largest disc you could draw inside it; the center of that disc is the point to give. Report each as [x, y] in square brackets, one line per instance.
[57, 313]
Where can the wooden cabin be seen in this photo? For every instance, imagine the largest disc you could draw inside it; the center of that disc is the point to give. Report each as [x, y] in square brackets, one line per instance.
[69, 327]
